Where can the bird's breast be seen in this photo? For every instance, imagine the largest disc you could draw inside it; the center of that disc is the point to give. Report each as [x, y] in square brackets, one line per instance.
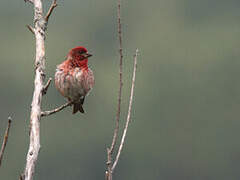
[74, 83]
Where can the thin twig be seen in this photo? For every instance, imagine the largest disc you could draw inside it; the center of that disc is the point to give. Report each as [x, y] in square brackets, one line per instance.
[47, 113]
[31, 29]
[129, 112]
[115, 135]
[53, 5]
[45, 88]
[5, 139]
[120, 79]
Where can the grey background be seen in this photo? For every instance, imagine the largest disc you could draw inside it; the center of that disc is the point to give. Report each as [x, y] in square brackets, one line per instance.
[185, 120]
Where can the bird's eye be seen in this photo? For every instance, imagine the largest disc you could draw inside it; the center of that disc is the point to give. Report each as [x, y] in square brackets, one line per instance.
[81, 52]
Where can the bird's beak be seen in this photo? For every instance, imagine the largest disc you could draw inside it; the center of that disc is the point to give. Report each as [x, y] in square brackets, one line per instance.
[88, 55]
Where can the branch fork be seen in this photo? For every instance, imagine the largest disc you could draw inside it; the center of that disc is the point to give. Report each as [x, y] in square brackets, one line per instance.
[42, 21]
[111, 165]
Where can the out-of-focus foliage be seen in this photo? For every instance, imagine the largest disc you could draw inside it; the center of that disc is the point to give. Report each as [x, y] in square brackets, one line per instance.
[185, 122]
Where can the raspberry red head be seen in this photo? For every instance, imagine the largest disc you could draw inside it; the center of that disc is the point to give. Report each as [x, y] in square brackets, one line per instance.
[79, 53]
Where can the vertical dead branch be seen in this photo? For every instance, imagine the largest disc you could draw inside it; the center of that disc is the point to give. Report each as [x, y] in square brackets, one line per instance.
[5, 139]
[40, 26]
[120, 79]
[129, 112]
[34, 145]
[115, 135]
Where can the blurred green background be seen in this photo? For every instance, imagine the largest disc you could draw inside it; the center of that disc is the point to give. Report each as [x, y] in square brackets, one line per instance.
[185, 121]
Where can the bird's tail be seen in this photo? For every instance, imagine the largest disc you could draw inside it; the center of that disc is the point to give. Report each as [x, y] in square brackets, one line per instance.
[77, 107]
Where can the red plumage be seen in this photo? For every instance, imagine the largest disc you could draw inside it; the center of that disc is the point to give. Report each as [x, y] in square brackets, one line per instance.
[73, 78]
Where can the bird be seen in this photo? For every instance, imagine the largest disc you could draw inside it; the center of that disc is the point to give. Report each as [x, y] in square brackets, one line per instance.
[74, 79]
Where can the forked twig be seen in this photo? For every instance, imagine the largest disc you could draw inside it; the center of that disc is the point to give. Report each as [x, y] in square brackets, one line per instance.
[129, 112]
[47, 113]
[5, 139]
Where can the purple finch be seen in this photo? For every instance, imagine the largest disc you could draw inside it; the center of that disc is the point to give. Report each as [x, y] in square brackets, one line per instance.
[73, 78]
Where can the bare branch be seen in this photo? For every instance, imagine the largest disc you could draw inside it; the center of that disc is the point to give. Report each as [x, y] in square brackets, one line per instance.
[35, 117]
[129, 112]
[45, 88]
[5, 139]
[47, 113]
[53, 5]
[31, 29]
[115, 135]
[120, 80]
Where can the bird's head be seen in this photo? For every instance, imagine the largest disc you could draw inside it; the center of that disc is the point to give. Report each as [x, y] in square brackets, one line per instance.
[79, 55]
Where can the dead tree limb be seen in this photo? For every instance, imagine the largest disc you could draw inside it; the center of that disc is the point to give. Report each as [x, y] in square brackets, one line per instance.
[39, 29]
[5, 139]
